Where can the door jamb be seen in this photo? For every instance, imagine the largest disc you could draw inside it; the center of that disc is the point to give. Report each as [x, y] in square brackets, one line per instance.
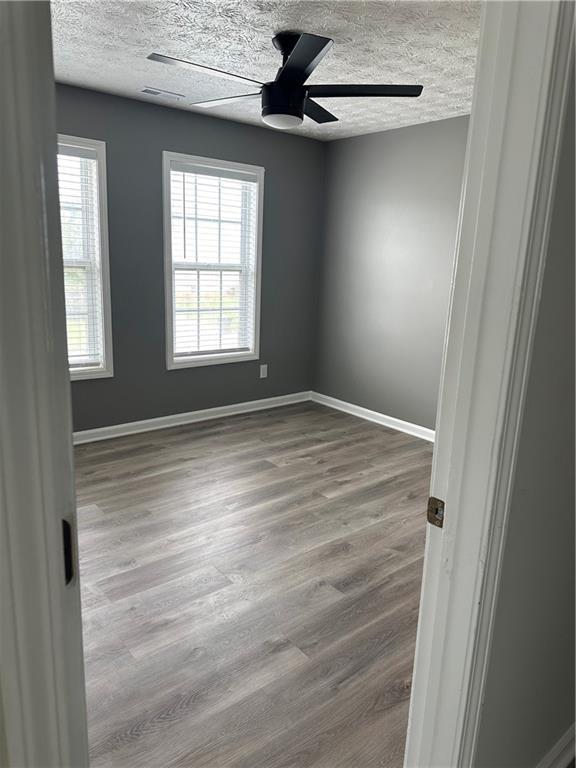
[525, 59]
[42, 709]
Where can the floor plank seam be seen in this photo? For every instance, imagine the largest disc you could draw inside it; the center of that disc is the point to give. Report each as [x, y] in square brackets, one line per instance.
[250, 591]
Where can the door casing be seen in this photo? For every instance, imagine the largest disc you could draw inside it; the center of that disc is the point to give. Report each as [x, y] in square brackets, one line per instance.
[525, 58]
[41, 662]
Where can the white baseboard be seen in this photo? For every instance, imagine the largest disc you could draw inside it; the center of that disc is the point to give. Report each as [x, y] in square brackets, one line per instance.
[561, 754]
[179, 419]
[365, 413]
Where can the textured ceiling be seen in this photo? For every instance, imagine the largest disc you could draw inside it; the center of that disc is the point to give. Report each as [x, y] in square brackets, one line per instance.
[103, 45]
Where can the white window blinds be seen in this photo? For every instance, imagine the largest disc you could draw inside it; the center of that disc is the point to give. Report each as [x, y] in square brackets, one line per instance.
[81, 180]
[213, 224]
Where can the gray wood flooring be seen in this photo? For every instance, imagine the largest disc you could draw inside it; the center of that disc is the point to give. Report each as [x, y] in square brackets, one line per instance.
[250, 591]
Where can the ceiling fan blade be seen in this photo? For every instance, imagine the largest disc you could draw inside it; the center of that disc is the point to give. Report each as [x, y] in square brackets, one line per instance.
[200, 68]
[317, 113]
[222, 102]
[304, 58]
[335, 91]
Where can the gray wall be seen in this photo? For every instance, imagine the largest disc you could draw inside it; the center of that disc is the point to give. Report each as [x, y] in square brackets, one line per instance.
[357, 257]
[529, 702]
[392, 212]
[135, 134]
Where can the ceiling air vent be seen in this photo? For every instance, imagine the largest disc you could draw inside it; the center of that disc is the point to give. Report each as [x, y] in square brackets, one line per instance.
[160, 92]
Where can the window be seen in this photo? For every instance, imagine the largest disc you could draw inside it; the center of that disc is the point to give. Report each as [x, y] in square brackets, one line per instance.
[82, 190]
[212, 257]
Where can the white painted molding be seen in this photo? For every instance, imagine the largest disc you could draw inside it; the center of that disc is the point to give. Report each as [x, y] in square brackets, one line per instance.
[379, 418]
[178, 419]
[212, 167]
[42, 693]
[517, 109]
[561, 754]
[96, 149]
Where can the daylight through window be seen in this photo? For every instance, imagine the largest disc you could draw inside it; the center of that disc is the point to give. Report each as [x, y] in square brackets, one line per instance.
[213, 260]
[81, 177]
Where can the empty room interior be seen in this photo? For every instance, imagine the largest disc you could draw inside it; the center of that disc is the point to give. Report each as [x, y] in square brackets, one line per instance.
[257, 267]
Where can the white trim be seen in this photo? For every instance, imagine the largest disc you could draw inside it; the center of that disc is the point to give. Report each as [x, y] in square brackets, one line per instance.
[518, 104]
[379, 418]
[211, 163]
[106, 370]
[557, 65]
[215, 359]
[254, 172]
[41, 661]
[562, 753]
[178, 419]
[82, 374]
[221, 411]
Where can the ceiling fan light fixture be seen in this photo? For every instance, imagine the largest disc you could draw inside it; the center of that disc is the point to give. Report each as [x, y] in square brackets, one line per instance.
[282, 122]
[283, 106]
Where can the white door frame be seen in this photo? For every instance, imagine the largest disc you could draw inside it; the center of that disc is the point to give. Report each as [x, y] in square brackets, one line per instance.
[525, 57]
[510, 167]
[41, 664]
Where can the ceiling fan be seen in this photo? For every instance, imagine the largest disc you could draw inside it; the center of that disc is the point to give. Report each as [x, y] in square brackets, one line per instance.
[286, 99]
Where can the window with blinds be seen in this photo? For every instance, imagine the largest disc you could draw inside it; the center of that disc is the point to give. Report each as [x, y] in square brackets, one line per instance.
[82, 192]
[212, 225]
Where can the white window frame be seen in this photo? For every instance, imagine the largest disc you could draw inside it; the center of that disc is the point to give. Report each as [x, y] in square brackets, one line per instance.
[105, 370]
[211, 164]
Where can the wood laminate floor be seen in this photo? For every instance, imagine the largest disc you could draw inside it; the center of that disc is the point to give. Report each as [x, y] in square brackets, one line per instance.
[250, 591]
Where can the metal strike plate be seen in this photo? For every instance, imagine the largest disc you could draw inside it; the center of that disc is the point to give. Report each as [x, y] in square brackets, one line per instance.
[436, 512]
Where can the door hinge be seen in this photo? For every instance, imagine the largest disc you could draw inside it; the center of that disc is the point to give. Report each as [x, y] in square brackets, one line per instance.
[436, 512]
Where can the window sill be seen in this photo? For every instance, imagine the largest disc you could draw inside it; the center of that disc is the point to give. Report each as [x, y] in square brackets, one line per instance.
[196, 362]
[80, 374]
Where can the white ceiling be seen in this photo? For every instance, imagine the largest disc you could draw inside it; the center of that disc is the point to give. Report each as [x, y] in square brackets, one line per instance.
[104, 45]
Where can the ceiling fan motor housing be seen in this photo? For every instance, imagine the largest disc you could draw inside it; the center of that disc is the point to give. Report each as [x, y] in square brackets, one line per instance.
[283, 99]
